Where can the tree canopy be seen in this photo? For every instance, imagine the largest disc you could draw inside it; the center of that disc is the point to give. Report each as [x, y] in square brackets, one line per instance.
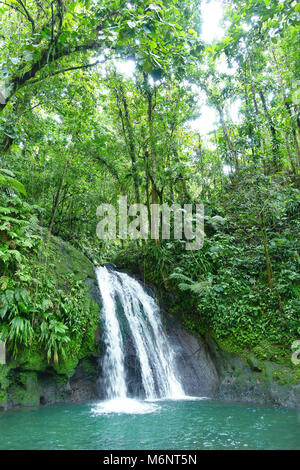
[76, 131]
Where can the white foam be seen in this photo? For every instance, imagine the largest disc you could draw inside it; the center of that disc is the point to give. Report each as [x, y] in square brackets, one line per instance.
[124, 405]
[179, 398]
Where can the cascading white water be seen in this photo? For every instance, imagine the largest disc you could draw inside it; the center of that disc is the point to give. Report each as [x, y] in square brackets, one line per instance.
[153, 350]
[114, 357]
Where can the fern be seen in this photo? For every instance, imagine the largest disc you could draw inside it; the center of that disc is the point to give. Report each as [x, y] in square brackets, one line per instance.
[180, 277]
[18, 333]
[200, 287]
[8, 180]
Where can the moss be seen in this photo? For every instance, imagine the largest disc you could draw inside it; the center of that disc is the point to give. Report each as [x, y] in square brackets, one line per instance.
[68, 259]
[4, 384]
[30, 359]
[32, 394]
[88, 365]
[67, 295]
[280, 374]
[3, 398]
[17, 393]
[272, 352]
[61, 379]
[254, 363]
[66, 367]
[229, 345]
[4, 381]
[258, 356]
[237, 371]
[25, 389]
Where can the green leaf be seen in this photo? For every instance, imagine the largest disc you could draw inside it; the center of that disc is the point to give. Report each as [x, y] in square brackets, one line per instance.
[9, 182]
[3, 307]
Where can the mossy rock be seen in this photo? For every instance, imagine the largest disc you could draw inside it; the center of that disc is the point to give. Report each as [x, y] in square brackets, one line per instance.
[67, 367]
[229, 345]
[279, 374]
[266, 351]
[4, 384]
[254, 363]
[88, 365]
[25, 389]
[30, 359]
[68, 259]
[4, 380]
[3, 398]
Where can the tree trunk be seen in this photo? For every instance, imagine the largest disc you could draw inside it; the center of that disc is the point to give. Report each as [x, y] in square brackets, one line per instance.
[275, 145]
[294, 133]
[228, 139]
[129, 137]
[57, 198]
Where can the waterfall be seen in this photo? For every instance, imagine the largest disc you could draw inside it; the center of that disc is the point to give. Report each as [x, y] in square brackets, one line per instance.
[128, 307]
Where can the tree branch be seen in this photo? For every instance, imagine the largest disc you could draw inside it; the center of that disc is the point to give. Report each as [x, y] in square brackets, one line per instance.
[14, 8]
[27, 14]
[78, 67]
[18, 81]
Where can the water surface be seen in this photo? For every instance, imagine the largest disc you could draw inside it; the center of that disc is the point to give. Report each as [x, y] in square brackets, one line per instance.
[169, 424]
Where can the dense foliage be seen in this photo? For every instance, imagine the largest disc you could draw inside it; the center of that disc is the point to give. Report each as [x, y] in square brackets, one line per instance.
[76, 132]
[223, 288]
[41, 305]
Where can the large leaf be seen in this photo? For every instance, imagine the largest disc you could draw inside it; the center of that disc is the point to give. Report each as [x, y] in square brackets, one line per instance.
[12, 183]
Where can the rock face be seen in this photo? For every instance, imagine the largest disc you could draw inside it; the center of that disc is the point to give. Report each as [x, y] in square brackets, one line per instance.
[207, 370]
[253, 381]
[194, 364]
[45, 387]
[83, 383]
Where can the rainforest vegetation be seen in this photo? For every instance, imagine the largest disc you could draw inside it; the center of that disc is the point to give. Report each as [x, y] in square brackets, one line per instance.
[78, 130]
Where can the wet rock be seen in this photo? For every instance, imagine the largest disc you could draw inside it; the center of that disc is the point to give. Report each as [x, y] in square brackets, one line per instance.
[252, 381]
[195, 367]
[83, 384]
